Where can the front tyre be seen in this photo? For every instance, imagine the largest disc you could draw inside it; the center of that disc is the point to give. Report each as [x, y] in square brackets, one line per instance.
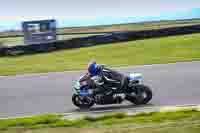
[141, 95]
[82, 102]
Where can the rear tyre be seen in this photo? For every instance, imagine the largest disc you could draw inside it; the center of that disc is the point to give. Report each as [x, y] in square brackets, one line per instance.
[141, 95]
[82, 102]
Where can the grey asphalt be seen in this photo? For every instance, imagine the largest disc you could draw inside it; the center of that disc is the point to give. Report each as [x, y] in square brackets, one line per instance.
[172, 84]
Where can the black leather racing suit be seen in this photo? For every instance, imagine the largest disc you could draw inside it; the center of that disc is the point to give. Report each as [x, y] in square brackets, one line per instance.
[107, 79]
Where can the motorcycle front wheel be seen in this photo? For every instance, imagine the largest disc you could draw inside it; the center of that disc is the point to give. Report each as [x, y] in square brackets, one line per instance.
[82, 102]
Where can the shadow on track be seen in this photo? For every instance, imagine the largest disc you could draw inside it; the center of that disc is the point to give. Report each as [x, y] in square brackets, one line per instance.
[111, 108]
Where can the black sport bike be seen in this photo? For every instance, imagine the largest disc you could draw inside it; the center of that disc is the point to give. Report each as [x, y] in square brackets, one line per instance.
[86, 95]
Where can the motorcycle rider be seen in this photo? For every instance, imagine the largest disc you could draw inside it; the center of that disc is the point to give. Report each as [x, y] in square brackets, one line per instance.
[105, 78]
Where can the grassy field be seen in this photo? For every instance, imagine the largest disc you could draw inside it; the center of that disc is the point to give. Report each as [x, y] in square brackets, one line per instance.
[119, 27]
[12, 41]
[105, 28]
[185, 121]
[149, 51]
[131, 26]
[15, 41]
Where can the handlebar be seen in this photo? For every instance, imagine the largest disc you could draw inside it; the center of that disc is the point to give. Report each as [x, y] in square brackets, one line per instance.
[85, 77]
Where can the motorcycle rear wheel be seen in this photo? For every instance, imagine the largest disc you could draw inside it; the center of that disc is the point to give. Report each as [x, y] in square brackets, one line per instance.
[142, 95]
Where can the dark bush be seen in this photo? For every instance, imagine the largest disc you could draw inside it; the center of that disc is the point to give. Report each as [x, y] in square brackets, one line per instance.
[97, 40]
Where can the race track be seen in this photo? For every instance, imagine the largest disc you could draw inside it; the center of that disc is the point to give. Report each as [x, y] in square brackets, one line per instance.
[172, 84]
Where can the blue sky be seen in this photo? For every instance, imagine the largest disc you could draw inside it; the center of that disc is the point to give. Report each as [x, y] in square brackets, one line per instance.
[95, 12]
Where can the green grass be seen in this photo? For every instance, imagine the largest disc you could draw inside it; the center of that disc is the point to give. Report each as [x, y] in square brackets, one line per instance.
[109, 121]
[187, 128]
[16, 41]
[130, 26]
[149, 51]
[28, 122]
[11, 41]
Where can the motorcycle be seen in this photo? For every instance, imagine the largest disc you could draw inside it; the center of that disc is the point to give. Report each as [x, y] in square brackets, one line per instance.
[134, 91]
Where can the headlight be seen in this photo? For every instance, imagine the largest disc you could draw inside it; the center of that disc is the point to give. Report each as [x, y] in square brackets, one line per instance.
[90, 91]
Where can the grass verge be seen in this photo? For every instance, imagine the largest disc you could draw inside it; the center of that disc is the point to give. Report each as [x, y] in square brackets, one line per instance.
[140, 121]
[149, 51]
